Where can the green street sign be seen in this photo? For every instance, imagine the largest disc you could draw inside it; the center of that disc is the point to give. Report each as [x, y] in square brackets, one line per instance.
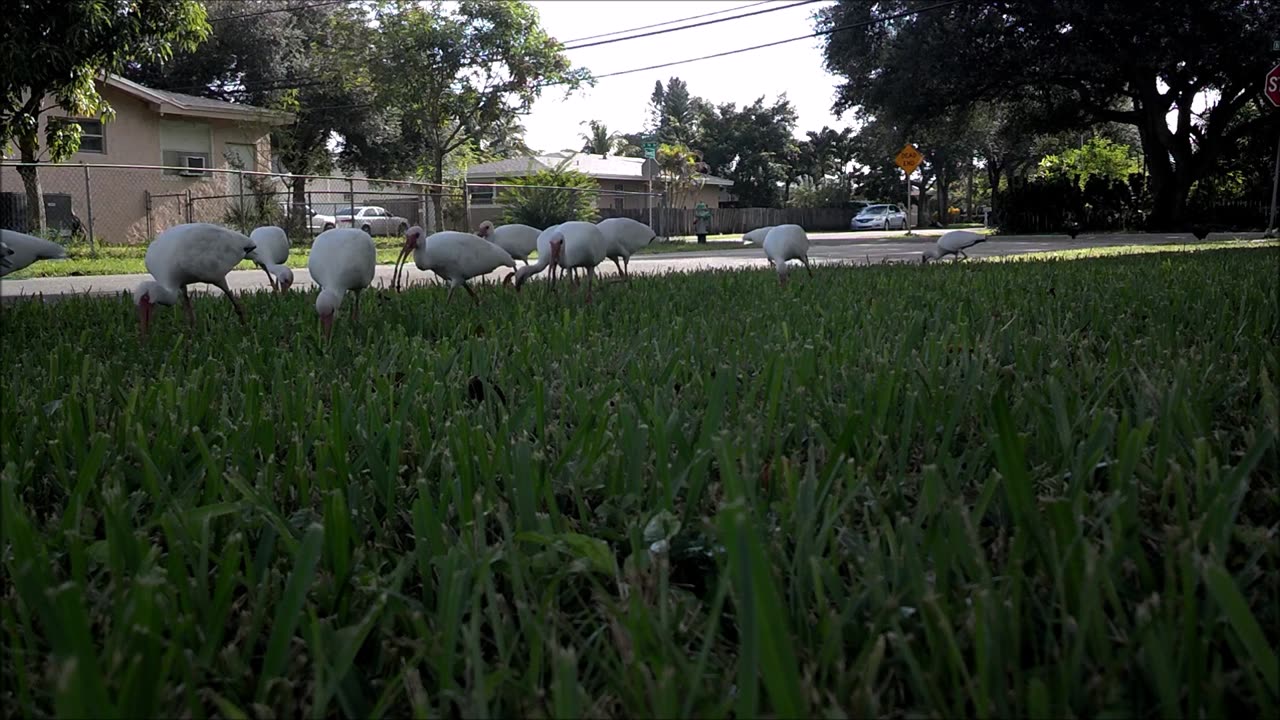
[651, 150]
[1275, 46]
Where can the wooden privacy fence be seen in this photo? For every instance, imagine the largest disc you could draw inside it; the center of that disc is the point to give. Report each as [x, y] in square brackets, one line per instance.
[670, 222]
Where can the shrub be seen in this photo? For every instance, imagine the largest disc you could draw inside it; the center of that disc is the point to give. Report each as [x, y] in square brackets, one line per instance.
[550, 197]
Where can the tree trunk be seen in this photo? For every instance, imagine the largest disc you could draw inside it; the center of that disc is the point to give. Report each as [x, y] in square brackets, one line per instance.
[1169, 184]
[944, 194]
[437, 177]
[968, 202]
[993, 179]
[299, 220]
[28, 144]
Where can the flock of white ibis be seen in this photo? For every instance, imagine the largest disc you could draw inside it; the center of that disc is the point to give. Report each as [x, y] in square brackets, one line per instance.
[343, 260]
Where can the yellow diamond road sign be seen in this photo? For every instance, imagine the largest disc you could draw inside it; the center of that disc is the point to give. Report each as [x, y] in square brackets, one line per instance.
[909, 158]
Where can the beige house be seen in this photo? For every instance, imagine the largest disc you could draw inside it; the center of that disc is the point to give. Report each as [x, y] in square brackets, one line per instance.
[188, 135]
[622, 183]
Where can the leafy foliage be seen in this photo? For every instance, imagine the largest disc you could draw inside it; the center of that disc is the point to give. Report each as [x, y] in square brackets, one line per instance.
[550, 197]
[1099, 157]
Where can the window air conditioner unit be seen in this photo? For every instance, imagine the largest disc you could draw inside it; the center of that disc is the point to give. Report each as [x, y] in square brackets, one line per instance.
[194, 164]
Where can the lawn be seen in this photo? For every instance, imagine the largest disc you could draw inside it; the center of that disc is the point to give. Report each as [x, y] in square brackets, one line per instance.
[1043, 488]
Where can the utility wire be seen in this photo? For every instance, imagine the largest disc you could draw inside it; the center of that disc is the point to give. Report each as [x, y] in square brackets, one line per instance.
[291, 8]
[695, 25]
[819, 33]
[661, 24]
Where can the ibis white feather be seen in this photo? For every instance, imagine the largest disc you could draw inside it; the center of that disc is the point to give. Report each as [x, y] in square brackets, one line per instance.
[784, 243]
[953, 242]
[566, 246]
[271, 254]
[26, 249]
[517, 239]
[342, 260]
[625, 237]
[756, 237]
[457, 257]
[186, 254]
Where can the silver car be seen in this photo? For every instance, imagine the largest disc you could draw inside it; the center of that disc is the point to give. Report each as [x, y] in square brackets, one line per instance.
[879, 217]
[317, 223]
[373, 220]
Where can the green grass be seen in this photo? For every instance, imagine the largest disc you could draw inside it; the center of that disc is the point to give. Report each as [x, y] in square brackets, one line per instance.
[1039, 489]
[1120, 250]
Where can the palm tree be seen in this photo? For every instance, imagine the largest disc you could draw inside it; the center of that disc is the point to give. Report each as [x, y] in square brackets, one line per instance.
[599, 140]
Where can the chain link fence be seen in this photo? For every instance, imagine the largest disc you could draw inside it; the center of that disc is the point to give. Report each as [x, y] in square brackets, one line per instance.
[111, 204]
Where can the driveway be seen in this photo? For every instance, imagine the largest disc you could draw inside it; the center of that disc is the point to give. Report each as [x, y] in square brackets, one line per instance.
[827, 248]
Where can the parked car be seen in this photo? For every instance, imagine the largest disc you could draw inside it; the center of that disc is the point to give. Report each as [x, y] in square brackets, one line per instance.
[373, 220]
[879, 217]
[316, 222]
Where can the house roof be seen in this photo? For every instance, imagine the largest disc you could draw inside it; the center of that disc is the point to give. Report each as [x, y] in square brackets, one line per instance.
[613, 167]
[172, 103]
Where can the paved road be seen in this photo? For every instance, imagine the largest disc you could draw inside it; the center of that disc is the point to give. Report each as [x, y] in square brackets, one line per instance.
[858, 248]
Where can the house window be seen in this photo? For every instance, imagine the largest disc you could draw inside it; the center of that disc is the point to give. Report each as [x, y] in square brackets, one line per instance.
[482, 195]
[181, 140]
[92, 139]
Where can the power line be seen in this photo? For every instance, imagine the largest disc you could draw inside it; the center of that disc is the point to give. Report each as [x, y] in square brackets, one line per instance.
[669, 22]
[291, 8]
[695, 25]
[820, 33]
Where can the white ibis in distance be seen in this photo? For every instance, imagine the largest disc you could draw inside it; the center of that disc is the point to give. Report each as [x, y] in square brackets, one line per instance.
[953, 242]
[457, 257]
[626, 237]
[568, 245]
[271, 253]
[342, 260]
[26, 249]
[518, 240]
[787, 242]
[185, 254]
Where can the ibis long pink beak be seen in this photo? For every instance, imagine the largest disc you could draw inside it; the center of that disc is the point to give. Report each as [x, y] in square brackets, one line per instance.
[144, 315]
[326, 322]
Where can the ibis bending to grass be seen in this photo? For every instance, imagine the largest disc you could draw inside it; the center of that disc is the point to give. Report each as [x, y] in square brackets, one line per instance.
[954, 242]
[456, 257]
[786, 242]
[342, 260]
[26, 249]
[518, 240]
[625, 237]
[567, 246]
[756, 237]
[185, 254]
[270, 254]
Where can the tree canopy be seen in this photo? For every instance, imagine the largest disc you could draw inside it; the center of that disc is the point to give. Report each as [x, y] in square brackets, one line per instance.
[1081, 62]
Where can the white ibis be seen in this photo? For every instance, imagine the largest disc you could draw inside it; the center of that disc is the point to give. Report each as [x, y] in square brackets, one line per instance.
[953, 242]
[518, 240]
[567, 246]
[457, 257]
[185, 254]
[756, 237]
[626, 237]
[271, 253]
[787, 242]
[342, 260]
[26, 249]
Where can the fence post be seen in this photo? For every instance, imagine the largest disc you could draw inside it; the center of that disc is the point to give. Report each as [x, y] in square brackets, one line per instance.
[148, 196]
[244, 214]
[189, 207]
[351, 195]
[1275, 191]
[466, 207]
[88, 205]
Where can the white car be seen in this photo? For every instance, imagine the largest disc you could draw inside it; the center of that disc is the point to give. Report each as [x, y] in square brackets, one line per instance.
[879, 217]
[373, 220]
[316, 222]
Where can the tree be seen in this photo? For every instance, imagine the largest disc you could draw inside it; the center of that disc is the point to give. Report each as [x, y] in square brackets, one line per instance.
[1090, 60]
[58, 49]
[748, 146]
[681, 170]
[550, 197]
[598, 140]
[274, 53]
[1099, 157]
[674, 112]
[439, 77]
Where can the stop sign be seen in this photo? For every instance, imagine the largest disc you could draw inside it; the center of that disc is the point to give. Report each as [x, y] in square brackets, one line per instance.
[1272, 86]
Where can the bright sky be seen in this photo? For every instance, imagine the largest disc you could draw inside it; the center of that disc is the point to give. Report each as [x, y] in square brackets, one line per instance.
[622, 102]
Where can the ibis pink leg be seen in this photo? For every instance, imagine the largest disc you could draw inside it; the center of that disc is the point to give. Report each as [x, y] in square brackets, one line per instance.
[222, 285]
[471, 292]
[186, 306]
[805, 260]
